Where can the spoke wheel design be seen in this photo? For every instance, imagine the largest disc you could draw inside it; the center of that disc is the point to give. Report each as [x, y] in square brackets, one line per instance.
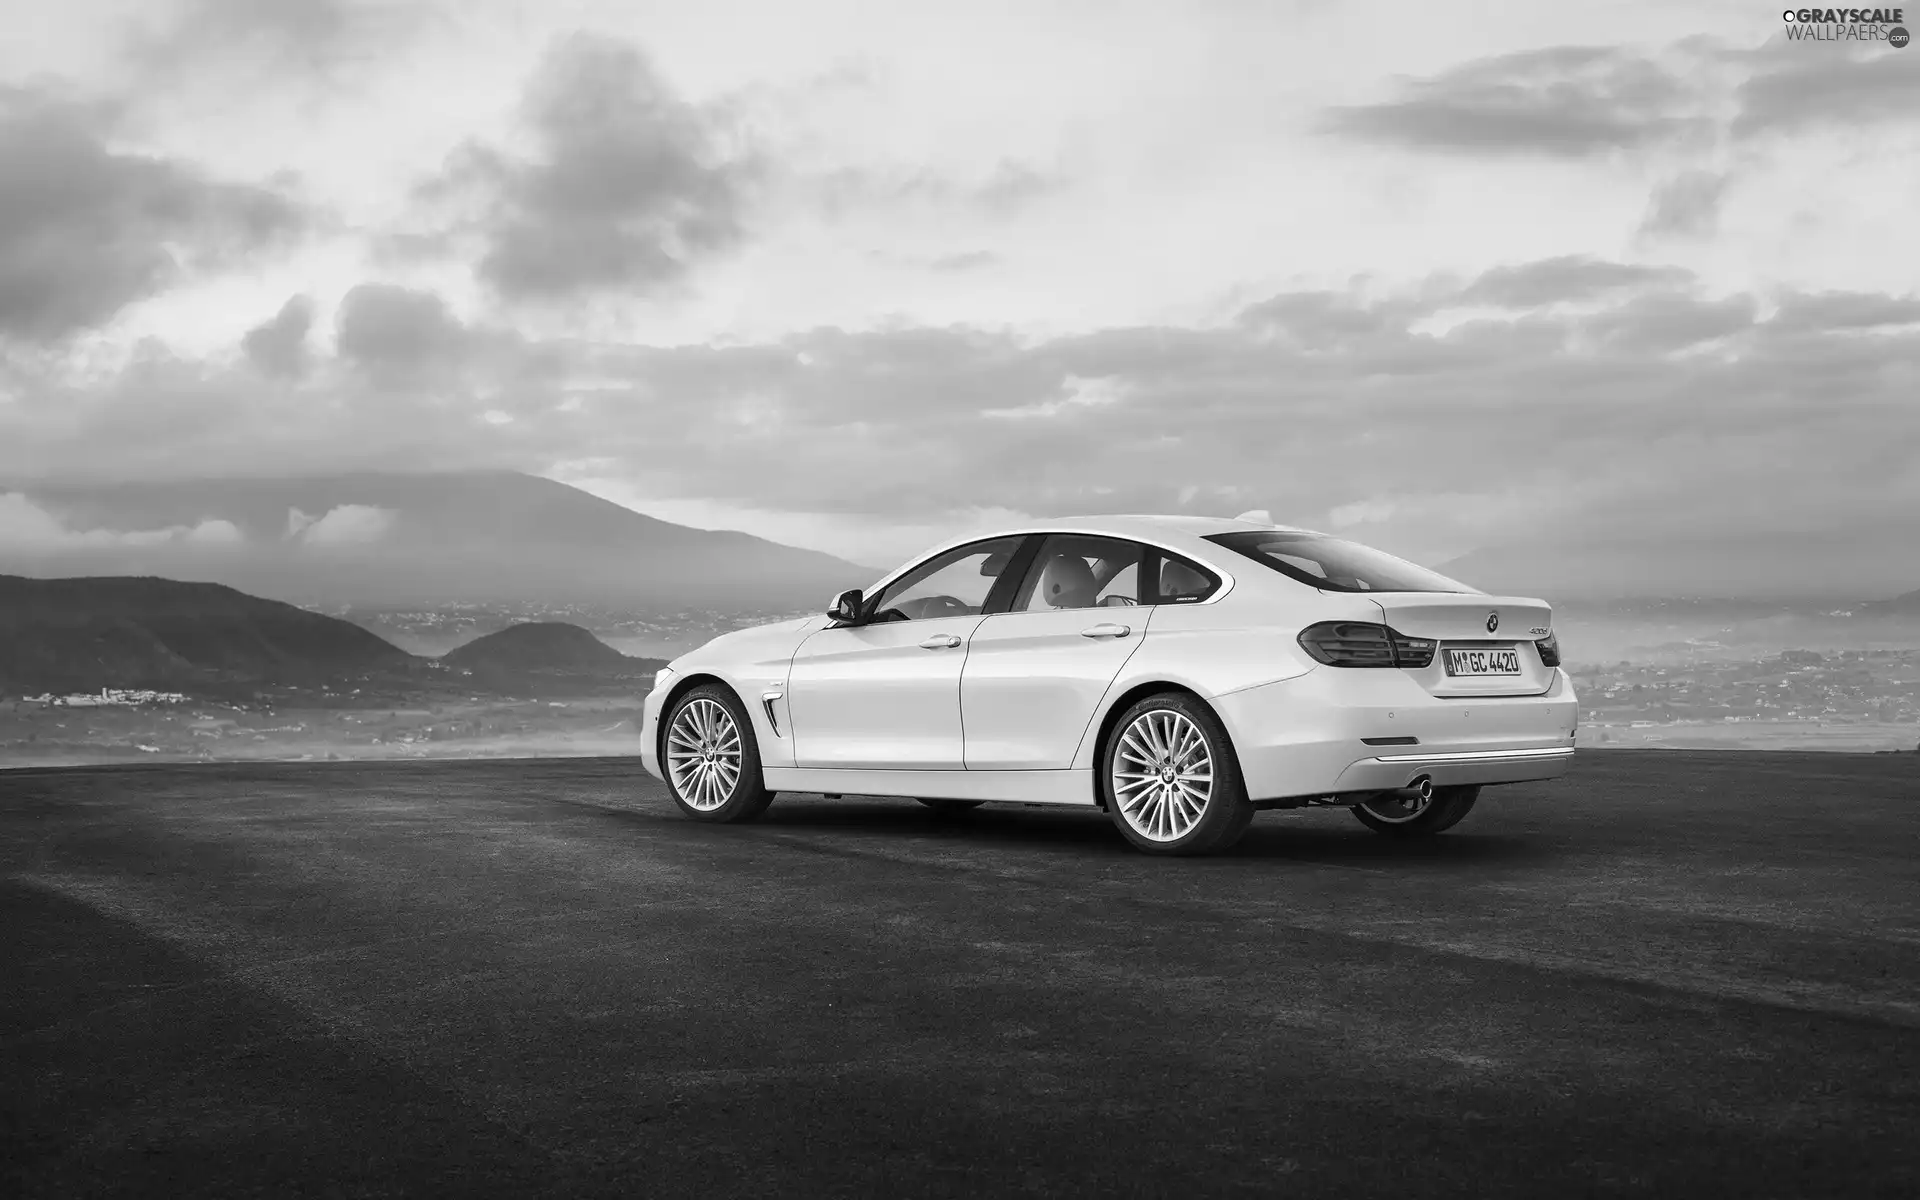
[704, 754]
[1162, 775]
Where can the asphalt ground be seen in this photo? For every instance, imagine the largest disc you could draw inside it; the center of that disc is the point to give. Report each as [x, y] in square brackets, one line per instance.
[1673, 973]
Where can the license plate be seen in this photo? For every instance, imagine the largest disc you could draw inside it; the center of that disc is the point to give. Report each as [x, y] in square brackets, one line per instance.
[1483, 662]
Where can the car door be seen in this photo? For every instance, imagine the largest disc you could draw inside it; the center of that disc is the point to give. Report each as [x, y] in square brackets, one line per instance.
[885, 694]
[1035, 674]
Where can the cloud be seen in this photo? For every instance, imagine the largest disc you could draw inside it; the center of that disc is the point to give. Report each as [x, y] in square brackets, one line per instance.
[345, 525]
[1846, 312]
[279, 346]
[1576, 102]
[1568, 278]
[1686, 206]
[626, 188]
[27, 528]
[1562, 399]
[1567, 101]
[969, 260]
[85, 230]
[1794, 87]
[1362, 512]
[389, 329]
[1009, 187]
[302, 37]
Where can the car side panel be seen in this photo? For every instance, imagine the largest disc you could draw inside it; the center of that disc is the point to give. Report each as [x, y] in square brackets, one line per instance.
[877, 697]
[754, 663]
[1214, 650]
[1033, 681]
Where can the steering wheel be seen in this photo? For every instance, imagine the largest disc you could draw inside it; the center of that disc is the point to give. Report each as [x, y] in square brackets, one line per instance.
[943, 606]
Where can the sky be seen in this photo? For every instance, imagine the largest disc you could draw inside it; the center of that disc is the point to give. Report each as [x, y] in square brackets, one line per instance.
[857, 276]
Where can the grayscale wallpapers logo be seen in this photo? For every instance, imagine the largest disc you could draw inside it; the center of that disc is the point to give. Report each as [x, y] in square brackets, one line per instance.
[1493, 621]
[1847, 25]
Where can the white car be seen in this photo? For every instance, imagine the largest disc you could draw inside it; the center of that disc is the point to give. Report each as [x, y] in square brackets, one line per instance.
[1178, 672]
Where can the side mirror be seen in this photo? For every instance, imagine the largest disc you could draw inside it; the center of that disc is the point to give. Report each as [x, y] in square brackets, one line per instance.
[846, 607]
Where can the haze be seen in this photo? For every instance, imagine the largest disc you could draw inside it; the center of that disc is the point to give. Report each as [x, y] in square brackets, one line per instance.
[1627, 290]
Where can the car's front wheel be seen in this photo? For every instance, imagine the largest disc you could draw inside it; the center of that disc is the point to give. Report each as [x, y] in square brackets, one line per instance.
[712, 761]
[1171, 781]
[1418, 818]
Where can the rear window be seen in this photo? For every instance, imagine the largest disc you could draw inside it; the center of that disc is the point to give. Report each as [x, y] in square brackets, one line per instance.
[1335, 564]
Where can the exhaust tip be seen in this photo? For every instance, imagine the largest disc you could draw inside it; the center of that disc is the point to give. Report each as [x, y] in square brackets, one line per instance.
[1423, 785]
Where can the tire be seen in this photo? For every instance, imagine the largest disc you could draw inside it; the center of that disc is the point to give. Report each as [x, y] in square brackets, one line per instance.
[1442, 812]
[1151, 758]
[950, 806]
[718, 776]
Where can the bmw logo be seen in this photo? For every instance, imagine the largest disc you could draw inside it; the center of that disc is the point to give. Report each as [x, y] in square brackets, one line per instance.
[1493, 621]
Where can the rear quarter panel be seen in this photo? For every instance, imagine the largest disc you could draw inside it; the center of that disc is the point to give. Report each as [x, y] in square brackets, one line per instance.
[1248, 639]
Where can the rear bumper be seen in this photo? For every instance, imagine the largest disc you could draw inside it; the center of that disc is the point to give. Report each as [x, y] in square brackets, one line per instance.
[1446, 770]
[1305, 737]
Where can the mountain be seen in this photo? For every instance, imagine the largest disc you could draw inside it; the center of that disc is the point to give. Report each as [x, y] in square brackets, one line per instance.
[541, 645]
[141, 632]
[1907, 605]
[398, 540]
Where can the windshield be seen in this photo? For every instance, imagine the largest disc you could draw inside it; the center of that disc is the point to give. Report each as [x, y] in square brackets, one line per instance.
[1336, 564]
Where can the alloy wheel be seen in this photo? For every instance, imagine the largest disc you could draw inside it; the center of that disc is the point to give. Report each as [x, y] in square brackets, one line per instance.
[703, 754]
[1162, 775]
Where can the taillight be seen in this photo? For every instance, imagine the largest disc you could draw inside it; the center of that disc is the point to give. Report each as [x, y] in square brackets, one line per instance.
[1412, 651]
[1358, 644]
[1549, 647]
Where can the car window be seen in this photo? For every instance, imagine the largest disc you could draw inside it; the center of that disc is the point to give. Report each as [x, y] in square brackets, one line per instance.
[1335, 564]
[1183, 582]
[1124, 589]
[1080, 571]
[954, 584]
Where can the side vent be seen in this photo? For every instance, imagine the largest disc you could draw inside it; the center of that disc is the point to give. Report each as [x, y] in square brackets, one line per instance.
[766, 701]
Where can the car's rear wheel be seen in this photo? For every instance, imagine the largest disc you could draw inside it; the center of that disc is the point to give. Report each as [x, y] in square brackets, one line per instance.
[1418, 818]
[949, 806]
[1171, 781]
[712, 761]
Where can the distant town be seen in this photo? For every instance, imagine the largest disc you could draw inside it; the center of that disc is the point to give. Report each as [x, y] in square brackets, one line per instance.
[1862, 700]
[108, 697]
[1849, 699]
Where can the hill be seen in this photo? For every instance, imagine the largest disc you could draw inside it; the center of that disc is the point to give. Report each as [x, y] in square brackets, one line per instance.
[144, 632]
[1907, 605]
[541, 645]
[549, 658]
[411, 539]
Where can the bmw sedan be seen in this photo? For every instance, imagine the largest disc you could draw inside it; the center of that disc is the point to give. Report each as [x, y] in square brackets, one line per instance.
[1180, 673]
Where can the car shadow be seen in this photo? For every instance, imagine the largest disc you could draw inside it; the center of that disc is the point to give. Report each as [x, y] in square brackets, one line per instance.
[1306, 836]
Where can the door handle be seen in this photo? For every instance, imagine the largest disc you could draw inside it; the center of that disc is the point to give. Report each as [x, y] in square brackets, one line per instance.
[1106, 629]
[941, 641]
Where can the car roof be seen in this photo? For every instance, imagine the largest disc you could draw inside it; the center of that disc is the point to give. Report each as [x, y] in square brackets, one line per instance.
[1152, 525]
[1182, 533]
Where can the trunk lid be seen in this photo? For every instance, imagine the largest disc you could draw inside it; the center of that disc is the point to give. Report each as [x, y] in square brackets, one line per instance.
[1485, 643]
